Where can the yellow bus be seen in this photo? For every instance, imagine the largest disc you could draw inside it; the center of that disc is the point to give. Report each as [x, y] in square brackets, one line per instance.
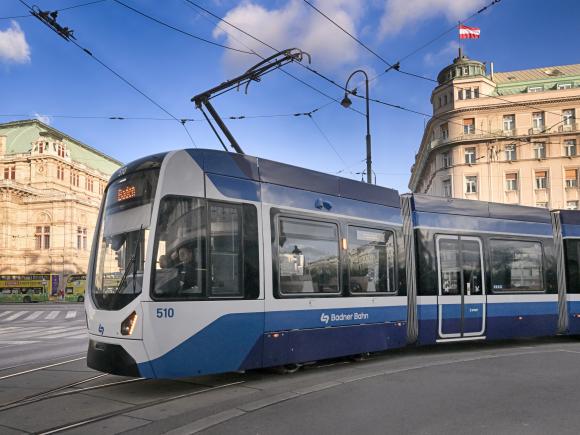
[28, 288]
[74, 290]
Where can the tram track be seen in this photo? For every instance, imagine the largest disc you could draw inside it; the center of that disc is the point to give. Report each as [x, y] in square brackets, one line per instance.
[90, 420]
[58, 391]
[46, 394]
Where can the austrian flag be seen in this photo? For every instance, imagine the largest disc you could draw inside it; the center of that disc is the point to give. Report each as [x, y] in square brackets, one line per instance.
[466, 32]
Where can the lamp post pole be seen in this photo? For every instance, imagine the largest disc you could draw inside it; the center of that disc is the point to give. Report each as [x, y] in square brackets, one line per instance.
[346, 102]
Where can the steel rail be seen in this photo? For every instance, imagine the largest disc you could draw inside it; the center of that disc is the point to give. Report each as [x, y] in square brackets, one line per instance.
[85, 422]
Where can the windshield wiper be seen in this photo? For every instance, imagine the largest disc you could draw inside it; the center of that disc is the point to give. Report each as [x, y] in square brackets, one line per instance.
[132, 262]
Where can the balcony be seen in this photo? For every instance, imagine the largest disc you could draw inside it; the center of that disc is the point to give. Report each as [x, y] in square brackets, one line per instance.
[568, 127]
[537, 130]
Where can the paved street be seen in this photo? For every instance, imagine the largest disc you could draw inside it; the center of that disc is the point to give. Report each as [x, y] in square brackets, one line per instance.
[514, 387]
[32, 333]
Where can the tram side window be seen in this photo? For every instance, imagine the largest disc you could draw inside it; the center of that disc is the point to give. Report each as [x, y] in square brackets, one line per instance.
[225, 250]
[371, 264]
[307, 257]
[572, 249]
[180, 244]
[516, 266]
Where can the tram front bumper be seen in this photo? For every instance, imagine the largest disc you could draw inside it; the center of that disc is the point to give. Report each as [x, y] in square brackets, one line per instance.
[111, 358]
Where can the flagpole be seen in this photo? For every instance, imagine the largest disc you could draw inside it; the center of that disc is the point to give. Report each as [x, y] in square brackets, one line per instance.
[459, 37]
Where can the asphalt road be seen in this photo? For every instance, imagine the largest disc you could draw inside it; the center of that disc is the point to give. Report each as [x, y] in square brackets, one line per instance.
[36, 333]
[513, 387]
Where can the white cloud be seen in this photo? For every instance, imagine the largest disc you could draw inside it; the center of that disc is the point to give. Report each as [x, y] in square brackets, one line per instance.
[42, 118]
[294, 25]
[401, 13]
[443, 56]
[13, 45]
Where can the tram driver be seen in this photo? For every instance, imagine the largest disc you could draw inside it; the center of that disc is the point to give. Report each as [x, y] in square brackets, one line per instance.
[187, 270]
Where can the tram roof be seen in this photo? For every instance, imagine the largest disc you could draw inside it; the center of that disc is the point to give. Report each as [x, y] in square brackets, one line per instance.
[467, 207]
[269, 171]
[570, 217]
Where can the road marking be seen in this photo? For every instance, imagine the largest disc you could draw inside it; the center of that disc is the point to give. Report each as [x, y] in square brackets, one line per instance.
[34, 315]
[5, 313]
[70, 315]
[77, 337]
[8, 329]
[51, 331]
[63, 334]
[15, 316]
[16, 342]
[52, 315]
[35, 333]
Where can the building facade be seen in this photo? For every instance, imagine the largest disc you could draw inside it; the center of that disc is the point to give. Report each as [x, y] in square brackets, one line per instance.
[50, 191]
[508, 137]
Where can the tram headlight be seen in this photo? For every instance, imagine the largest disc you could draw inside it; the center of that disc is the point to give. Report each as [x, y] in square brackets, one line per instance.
[128, 324]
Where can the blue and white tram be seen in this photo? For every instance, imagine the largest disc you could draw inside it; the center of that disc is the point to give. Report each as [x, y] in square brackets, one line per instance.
[225, 262]
[207, 262]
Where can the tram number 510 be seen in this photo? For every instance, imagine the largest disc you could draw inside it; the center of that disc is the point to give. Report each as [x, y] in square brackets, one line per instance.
[163, 313]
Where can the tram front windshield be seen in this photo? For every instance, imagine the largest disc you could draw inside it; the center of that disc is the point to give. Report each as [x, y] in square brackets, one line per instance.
[122, 240]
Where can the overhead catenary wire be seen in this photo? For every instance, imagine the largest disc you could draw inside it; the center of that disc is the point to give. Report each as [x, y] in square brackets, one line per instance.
[57, 10]
[326, 138]
[150, 118]
[348, 33]
[119, 76]
[183, 32]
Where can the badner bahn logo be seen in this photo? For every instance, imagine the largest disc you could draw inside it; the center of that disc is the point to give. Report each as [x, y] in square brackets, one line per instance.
[325, 318]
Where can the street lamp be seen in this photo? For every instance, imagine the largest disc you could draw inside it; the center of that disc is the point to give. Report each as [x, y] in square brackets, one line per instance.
[346, 102]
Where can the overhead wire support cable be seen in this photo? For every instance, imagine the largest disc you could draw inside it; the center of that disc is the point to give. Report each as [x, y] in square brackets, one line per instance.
[180, 30]
[49, 19]
[441, 35]
[348, 33]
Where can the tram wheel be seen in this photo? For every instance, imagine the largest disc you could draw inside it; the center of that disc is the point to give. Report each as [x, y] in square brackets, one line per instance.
[287, 369]
[81, 299]
[26, 299]
[360, 357]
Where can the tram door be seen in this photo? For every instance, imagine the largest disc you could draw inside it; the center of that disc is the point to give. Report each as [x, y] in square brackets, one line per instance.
[461, 297]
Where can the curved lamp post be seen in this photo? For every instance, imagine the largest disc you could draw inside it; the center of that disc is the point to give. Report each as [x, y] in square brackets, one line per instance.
[346, 102]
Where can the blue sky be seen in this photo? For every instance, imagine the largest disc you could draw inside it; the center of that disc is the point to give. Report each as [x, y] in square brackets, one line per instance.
[42, 74]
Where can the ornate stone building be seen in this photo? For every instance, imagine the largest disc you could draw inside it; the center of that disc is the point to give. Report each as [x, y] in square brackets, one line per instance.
[50, 190]
[508, 137]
